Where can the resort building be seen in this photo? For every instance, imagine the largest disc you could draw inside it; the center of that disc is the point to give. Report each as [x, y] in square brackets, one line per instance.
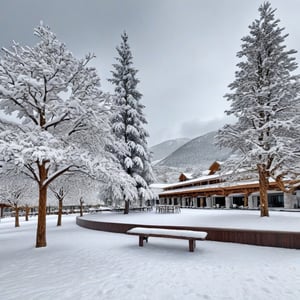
[214, 190]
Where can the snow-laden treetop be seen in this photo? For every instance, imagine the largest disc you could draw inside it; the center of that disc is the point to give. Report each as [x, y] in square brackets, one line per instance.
[62, 115]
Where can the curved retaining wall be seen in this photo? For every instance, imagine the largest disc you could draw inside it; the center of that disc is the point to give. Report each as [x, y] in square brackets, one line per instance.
[282, 239]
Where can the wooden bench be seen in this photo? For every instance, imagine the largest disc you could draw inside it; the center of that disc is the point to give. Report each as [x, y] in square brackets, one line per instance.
[190, 235]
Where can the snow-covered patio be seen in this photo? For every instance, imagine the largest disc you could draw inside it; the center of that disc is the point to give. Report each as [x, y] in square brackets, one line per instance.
[243, 219]
[79, 263]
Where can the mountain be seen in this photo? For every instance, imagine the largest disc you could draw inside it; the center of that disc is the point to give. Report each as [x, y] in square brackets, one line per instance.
[199, 152]
[164, 149]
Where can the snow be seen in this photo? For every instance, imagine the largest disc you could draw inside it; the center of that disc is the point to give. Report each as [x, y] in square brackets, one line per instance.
[195, 180]
[241, 219]
[265, 99]
[79, 263]
[158, 231]
[158, 185]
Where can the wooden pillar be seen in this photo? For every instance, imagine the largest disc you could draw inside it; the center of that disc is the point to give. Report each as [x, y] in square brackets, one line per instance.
[202, 202]
[246, 199]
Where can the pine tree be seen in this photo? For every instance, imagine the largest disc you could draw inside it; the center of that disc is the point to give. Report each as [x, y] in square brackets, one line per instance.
[265, 101]
[128, 123]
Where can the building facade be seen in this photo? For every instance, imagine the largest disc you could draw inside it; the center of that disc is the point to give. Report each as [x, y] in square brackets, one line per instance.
[218, 191]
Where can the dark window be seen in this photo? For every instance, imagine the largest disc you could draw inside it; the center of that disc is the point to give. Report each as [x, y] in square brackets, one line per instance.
[238, 201]
[275, 200]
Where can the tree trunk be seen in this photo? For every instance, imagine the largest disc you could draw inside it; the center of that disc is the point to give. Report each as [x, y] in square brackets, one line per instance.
[41, 226]
[126, 210]
[27, 210]
[263, 190]
[17, 220]
[81, 207]
[59, 214]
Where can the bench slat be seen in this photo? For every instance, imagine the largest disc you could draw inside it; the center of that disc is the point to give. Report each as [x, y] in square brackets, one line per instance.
[172, 233]
[167, 236]
[189, 235]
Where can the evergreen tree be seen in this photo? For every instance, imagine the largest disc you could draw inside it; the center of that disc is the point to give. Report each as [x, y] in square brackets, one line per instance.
[128, 123]
[265, 101]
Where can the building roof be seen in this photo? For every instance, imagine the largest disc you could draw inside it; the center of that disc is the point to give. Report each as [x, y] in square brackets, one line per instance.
[221, 188]
[195, 180]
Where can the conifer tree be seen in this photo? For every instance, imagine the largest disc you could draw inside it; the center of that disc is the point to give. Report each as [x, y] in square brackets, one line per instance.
[128, 123]
[265, 101]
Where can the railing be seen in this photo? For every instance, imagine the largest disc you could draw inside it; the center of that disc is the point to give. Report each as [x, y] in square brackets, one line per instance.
[163, 208]
[134, 208]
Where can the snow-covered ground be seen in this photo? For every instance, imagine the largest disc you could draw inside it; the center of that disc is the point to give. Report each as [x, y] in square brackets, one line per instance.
[79, 263]
[249, 219]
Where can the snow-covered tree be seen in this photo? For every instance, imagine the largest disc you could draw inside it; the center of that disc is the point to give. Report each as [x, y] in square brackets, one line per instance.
[58, 104]
[265, 101]
[60, 192]
[83, 190]
[116, 189]
[12, 195]
[128, 123]
[17, 192]
[71, 188]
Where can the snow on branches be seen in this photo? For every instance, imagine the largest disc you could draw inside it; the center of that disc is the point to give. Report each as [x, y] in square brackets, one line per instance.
[56, 97]
[128, 123]
[61, 122]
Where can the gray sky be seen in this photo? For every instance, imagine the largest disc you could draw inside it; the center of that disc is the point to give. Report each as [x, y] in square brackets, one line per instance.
[185, 50]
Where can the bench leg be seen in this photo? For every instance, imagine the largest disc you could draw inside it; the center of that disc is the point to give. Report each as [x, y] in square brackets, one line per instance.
[141, 241]
[192, 245]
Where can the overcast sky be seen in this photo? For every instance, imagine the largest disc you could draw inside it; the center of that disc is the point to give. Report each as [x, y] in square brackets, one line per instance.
[185, 50]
